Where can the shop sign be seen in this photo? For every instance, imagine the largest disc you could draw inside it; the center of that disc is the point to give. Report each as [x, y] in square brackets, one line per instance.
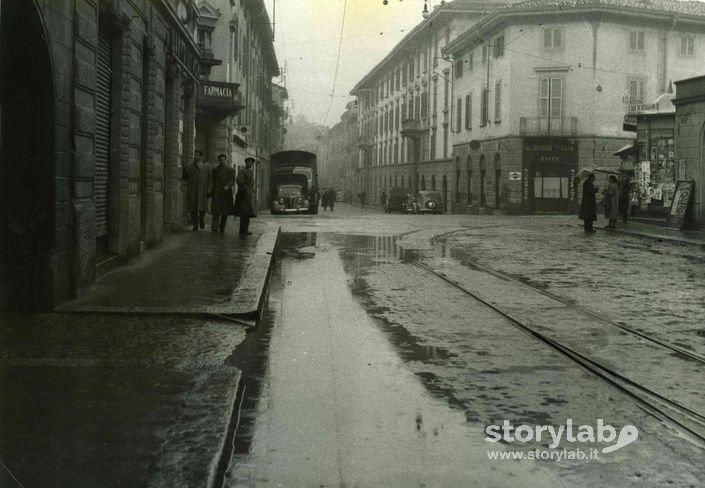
[679, 206]
[525, 185]
[514, 176]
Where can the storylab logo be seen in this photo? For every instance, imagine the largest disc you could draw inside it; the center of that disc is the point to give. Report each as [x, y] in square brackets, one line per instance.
[557, 436]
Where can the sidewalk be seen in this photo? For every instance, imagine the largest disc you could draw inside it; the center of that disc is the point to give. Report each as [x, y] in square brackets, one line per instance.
[142, 389]
[191, 273]
[660, 233]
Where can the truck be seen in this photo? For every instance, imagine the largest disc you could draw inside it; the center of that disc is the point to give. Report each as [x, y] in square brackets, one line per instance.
[293, 183]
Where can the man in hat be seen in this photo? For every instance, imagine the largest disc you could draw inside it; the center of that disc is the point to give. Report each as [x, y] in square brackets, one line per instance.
[198, 182]
[245, 206]
[223, 180]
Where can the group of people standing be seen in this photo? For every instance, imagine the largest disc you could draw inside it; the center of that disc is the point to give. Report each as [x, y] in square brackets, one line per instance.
[328, 199]
[616, 201]
[204, 181]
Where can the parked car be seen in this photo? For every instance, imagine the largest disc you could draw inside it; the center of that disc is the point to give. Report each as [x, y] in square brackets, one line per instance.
[398, 200]
[428, 202]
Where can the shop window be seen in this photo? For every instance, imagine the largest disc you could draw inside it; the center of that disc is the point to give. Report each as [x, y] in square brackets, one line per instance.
[554, 187]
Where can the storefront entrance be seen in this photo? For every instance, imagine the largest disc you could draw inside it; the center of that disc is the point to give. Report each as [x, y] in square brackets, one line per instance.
[26, 158]
[551, 165]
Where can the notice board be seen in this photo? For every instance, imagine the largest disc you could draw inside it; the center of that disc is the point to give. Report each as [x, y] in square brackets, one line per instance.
[679, 204]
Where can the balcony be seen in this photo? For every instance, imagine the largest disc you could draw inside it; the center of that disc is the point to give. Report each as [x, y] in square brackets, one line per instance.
[217, 100]
[414, 128]
[364, 142]
[544, 126]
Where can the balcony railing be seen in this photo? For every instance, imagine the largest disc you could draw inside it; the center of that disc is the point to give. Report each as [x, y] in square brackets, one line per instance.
[413, 127]
[545, 126]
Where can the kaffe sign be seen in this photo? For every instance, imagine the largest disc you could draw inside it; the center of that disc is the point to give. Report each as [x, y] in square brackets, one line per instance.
[679, 205]
[549, 166]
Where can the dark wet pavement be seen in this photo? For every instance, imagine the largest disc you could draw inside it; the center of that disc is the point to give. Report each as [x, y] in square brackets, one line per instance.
[189, 272]
[380, 375]
[91, 400]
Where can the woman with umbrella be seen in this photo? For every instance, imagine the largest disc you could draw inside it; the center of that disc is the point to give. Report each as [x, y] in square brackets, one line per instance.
[588, 207]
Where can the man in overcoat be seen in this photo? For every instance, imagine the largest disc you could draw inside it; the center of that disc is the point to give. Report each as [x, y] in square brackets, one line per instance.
[588, 207]
[223, 180]
[198, 183]
[245, 206]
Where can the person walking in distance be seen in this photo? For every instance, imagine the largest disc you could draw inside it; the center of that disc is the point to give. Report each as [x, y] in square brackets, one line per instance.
[625, 197]
[245, 208]
[198, 183]
[331, 199]
[588, 207]
[223, 180]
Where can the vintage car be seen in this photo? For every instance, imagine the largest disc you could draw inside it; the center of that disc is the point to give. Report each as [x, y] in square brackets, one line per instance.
[427, 202]
[398, 200]
[290, 197]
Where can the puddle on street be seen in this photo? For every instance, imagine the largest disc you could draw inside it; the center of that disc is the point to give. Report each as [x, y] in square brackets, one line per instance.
[336, 404]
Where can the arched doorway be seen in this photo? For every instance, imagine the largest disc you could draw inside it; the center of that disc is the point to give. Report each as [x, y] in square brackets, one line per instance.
[26, 159]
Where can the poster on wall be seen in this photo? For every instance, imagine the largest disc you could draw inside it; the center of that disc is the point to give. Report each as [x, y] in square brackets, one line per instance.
[679, 205]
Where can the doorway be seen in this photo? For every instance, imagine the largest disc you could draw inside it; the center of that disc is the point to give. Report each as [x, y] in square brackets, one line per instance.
[26, 159]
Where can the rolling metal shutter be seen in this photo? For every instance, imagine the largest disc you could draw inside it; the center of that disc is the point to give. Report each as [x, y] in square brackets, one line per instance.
[102, 132]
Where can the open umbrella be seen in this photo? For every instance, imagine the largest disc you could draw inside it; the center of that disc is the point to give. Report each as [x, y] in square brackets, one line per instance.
[584, 173]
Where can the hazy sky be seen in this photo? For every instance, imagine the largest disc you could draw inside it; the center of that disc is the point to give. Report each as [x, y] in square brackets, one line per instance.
[306, 42]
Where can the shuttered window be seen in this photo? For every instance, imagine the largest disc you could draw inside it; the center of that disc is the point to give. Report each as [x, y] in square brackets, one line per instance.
[102, 131]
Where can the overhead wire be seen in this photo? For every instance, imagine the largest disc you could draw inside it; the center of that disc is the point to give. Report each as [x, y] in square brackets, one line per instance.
[337, 62]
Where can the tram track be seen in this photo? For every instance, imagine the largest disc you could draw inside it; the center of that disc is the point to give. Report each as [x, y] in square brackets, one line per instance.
[685, 419]
[681, 351]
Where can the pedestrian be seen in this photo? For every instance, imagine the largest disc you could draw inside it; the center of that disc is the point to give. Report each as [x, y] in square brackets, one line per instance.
[198, 183]
[245, 207]
[588, 207]
[363, 196]
[222, 182]
[610, 201]
[324, 200]
[331, 199]
[625, 197]
[383, 198]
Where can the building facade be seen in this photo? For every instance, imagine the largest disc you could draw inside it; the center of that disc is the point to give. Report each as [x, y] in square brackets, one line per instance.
[690, 143]
[542, 89]
[339, 157]
[97, 109]
[405, 110]
[237, 113]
